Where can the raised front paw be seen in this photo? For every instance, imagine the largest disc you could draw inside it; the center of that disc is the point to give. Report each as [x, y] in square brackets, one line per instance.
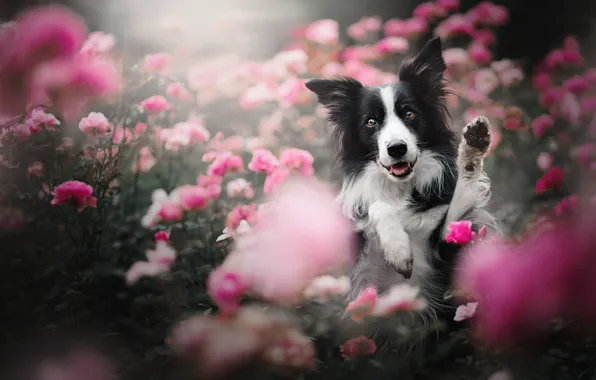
[477, 133]
[399, 256]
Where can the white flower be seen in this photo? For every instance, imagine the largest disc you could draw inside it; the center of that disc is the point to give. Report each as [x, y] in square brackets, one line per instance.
[327, 286]
[402, 297]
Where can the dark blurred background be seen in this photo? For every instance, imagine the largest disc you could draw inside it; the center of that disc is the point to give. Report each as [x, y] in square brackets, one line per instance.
[262, 25]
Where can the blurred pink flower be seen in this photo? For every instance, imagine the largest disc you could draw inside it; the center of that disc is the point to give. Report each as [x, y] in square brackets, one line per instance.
[98, 43]
[484, 36]
[392, 45]
[159, 261]
[566, 205]
[257, 95]
[488, 13]
[585, 153]
[71, 83]
[455, 58]
[550, 96]
[448, 5]
[324, 32]
[226, 289]
[486, 81]
[95, 124]
[332, 70]
[552, 179]
[275, 179]
[291, 92]
[74, 192]
[35, 169]
[394, 27]
[263, 161]
[541, 81]
[39, 117]
[297, 160]
[155, 104]
[212, 184]
[145, 162]
[178, 91]
[428, 11]
[298, 251]
[544, 161]
[170, 211]
[162, 236]
[571, 108]
[240, 187]
[577, 85]
[455, 24]
[160, 63]
[466, 311]
[356, 347]
[225, 163]
[191, 197]
[363, 305]
[358, 31]
[399, 298]
[479, 53]
[240, 213]
[326, 286]
[460, 232]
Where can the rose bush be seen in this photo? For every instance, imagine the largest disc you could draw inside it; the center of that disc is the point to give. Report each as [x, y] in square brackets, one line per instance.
[126, 186]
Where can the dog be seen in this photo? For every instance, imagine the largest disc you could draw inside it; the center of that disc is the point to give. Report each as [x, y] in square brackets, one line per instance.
[405, 178]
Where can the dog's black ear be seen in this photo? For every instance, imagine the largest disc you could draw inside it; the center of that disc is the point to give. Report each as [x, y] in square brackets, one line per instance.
[425, 70]
[335, 93]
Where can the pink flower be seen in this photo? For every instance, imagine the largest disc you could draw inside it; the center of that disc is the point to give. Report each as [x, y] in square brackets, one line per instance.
[448, 5]
[356, 347]
[240, 213]
[544, 161]
[71, 83]
[39, 117]
[297, 159]
[487, 13]
[158, 63]
[291, 92]
[275, 179]
[162, 236]
[486, 81]
[460, 232]
[98, 43]
[263, 161]
[541, 124]
[170, 211]
[257, 95]
[392, 45]
[155, 104]
[428, 11]
[466, 311]
[298, 250]
[240, 187]
[358, 31]
[455, 58]
[145, 162]
[226, 289]
[455, 25]
[191, 197]
[95, 124]
[324, 32]
[178, 91]
[363, 305]
[399, 298]
[76, 192]
[566, 205]
[394, 27]
[479, 53]
[550, 180]
[541, 81]
[35, 169]
[414, 27]
[160, 260]
[484, 36]
[225, 163]
[326, 286]
[212, 184]
[551, 96]
[585, 153]
[571, 108]
[576, 85]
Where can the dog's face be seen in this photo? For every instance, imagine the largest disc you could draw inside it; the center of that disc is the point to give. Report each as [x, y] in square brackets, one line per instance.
[390, 125]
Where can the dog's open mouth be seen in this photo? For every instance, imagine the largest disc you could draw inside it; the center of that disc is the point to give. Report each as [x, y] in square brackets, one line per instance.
[400, 169]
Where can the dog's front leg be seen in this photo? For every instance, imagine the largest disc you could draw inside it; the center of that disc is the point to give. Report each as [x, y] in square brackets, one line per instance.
[394, 240]
[472, 188]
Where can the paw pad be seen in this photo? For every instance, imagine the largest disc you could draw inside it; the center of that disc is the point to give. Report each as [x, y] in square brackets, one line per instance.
[477, 133]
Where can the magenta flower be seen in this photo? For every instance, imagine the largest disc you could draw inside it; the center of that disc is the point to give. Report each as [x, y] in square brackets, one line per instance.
[297, 160]
[577, 85]
[552, 179]
[226, 289]
[191, 197]
[566, 205]
[170, 211]
[392, 45]
[74, 192]
[263, 161]
[479, 53]
[145, 161]
[541, 124]
[162, 236]
[460, 232]
[275, 179]
[225, 163]
[240, 213]
[212, 184]
[98, 43]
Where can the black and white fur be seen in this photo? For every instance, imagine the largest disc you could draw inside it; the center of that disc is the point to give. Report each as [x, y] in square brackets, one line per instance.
[404, 178]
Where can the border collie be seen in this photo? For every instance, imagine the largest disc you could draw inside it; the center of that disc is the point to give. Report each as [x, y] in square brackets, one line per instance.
[404, 179]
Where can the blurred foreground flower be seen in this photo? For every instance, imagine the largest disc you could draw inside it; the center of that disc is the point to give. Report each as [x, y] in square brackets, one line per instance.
[220, 347]
[399, 298]
[159, 260]
[302, 236]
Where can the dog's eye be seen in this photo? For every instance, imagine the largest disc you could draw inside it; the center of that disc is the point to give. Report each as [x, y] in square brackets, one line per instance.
[410, 115]
[371, 122]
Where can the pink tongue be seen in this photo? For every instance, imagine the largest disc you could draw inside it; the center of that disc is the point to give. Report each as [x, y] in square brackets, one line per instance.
[399, 170]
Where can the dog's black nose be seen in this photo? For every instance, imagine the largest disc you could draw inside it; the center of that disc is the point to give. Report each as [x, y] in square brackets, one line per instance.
[397, 150]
